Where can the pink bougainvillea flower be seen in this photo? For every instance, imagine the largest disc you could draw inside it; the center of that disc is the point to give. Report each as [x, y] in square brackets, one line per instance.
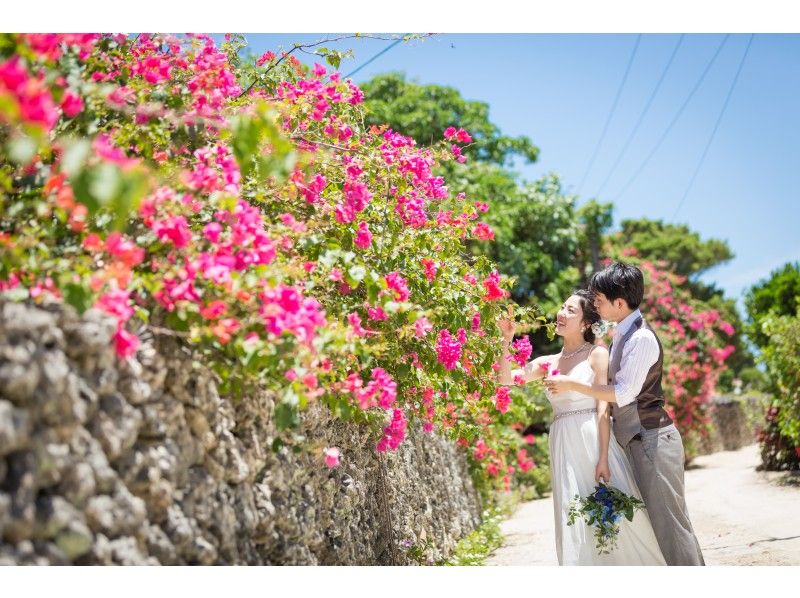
[125, 343]
[394, 433]
[174, 229]
[430, 268]
[493, 290]
[463, 137]
[71, 104]
[398, 284]
[522, 351]
[363, 238]
[265, 58]
[502, 399]
[448, 349]
[332, 456]
[422, 327]
[483, 232]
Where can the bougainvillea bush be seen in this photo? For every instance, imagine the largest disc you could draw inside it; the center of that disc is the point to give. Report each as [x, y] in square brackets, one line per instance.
[696, 343]
[241, 203]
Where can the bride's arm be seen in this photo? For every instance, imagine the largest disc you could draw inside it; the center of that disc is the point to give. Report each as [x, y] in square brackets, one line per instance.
[532, 370]
[598, 359]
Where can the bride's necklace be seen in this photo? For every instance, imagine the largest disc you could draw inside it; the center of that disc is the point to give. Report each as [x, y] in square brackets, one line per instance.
[575, 352]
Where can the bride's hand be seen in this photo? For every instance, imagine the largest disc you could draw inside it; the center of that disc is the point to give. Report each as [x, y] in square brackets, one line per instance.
[558, 384]
[507, 325]
[602, 471]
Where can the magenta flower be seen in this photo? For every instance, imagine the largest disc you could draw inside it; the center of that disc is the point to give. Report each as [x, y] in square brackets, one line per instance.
[449, 132]
[502, 399]
[430, 268]
[116, 303]
[71, 104]
[394, 433]
[174, 229]
[265, 58]
[476, 321]
[125, 343]
[463, 137]
[422, 327]
[448, 349]
[493, 290]
[522, 351]
[398, 284]
[363, 237]
[376, 313]
[483, 232]
[332, 456]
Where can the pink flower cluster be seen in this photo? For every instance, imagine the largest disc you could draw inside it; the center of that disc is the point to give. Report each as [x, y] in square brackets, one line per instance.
[30, 95]
[492, 286]
[380, 391]
[205, 175]
[422, 327]
[430, 268]
[363, 238]
[502, 399]
[356, 198]
[411, 210]
[284, 309]
[522, 351]
[398, 284]
[49, 45]
[117, 303]
[312, 189]
[448, 348]
[394, 433]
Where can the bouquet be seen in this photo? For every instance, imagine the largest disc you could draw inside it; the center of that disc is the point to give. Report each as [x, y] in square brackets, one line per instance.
[603, 509]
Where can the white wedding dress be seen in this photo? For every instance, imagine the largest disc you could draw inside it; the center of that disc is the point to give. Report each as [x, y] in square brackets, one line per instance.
[574, 451]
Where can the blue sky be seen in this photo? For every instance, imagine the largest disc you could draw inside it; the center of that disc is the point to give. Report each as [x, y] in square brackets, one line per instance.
[559, 89]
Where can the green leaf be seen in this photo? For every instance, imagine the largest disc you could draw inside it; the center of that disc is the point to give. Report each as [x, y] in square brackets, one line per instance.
[78, 296]
[286, 416]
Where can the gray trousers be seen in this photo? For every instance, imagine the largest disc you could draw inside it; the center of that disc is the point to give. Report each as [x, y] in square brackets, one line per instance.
[657, 461]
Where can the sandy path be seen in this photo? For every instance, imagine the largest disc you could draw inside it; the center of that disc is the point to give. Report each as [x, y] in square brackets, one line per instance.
[740, 516]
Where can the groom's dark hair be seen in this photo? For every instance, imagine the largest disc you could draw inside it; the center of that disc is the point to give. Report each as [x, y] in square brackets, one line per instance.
[620, 281]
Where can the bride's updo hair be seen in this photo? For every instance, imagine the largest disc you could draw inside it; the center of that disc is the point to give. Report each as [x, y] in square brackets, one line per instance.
[590, 315]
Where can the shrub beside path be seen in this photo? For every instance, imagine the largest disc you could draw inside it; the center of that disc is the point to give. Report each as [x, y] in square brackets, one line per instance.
[741, 516]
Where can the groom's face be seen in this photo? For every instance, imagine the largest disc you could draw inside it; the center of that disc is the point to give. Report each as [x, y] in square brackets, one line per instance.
[604, 307]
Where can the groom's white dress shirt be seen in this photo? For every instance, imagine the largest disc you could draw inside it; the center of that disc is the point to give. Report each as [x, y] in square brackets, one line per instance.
[638, 356]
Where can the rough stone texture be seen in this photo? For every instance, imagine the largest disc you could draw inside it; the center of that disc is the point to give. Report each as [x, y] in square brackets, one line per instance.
[142, 462]
[733, 423]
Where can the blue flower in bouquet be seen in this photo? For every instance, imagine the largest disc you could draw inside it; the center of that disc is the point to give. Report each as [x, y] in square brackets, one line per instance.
[603, 509]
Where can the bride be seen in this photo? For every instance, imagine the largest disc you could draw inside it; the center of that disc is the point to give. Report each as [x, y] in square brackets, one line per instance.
[582, 445]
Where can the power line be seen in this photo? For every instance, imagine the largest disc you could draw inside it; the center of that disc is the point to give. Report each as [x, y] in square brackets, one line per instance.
[641, 116]
[378, 55]
[675, 118]
[611, 113]
[716, 126]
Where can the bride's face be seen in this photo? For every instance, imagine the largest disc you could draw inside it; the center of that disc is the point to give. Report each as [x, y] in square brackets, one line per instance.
[569, 319]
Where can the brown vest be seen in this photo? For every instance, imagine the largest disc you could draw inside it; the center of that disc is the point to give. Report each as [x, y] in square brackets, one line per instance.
[647, 411]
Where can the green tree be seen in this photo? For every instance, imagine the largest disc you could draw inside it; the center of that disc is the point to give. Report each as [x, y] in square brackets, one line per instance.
[684, 252]
[425, 111]
[595, 220]
[777, 295]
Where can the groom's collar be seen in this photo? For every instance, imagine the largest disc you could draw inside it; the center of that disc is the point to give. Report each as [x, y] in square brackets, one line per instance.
[627, 322]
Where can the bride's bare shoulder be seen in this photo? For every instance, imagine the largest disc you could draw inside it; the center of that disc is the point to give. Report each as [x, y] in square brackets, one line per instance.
[598, 355]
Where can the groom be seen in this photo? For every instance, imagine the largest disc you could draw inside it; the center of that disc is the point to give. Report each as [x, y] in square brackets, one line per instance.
[641, 425]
